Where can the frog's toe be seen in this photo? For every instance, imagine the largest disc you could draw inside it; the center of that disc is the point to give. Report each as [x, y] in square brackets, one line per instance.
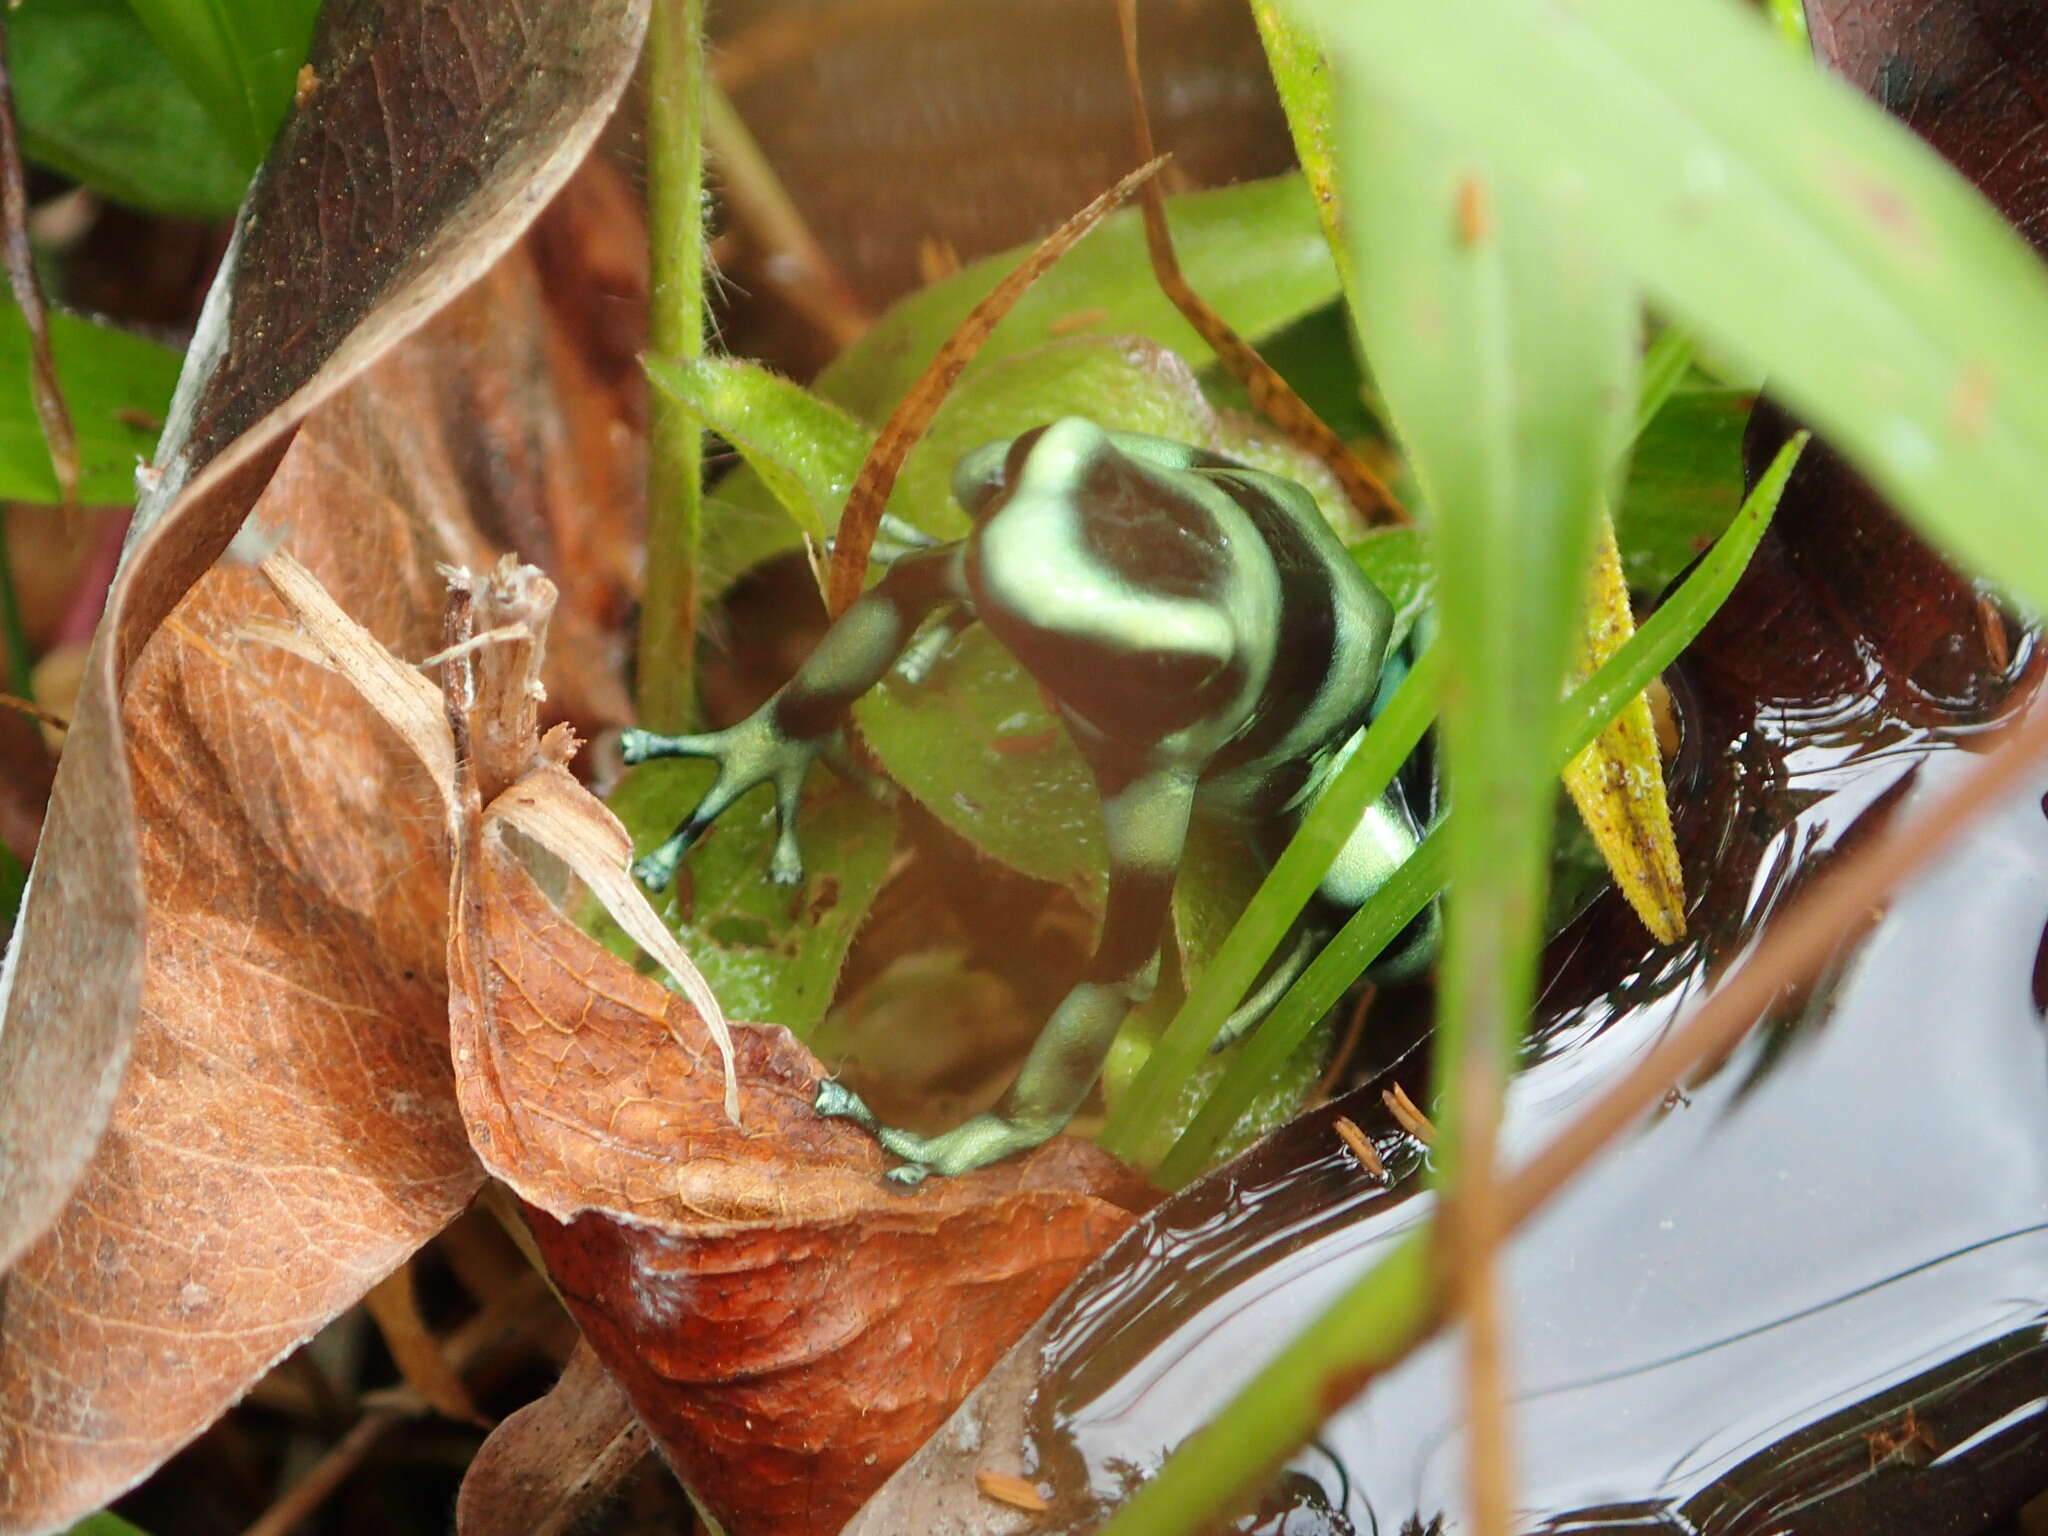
[908, 1175]
[836, 1101]
[656, 868]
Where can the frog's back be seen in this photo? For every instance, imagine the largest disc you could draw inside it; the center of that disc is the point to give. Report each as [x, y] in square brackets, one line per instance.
[1175, 601]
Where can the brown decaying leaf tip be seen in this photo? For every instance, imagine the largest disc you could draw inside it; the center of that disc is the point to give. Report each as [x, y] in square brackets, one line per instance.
[1008, 1488]
[1361, 1146]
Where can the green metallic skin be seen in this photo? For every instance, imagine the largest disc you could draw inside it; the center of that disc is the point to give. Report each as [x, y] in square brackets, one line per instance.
[1205, 639]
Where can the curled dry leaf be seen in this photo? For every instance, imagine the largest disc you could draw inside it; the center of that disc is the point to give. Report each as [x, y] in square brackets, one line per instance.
[440, 130]
[288, 1131]
[546, 1466]
[788, 1326]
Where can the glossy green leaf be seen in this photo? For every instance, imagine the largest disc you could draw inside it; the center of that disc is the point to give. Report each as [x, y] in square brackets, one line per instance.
[1778, 215]
[105, 1523]
[98, 101]
[118, 387]
[772, 953]
[1255, 251]
[1397, 562]
[241, 59]
[1684, 482]
[974, 744]
[805, 451]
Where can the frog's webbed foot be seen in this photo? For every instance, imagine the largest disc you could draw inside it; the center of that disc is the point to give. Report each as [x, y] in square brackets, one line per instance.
[750, 753]
[983, 1140]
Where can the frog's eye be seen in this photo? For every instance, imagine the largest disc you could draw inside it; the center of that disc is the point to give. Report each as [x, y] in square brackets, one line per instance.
[983, 476]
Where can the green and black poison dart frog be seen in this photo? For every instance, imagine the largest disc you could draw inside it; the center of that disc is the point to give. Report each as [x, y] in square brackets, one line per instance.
[1204, 637]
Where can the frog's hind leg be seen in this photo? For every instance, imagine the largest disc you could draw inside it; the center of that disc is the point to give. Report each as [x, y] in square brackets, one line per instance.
[1147, 821]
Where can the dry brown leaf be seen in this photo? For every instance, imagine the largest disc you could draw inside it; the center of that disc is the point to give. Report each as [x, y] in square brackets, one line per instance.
[788, 1325]
[287, 1133]
[546, 1466]
[439, 132]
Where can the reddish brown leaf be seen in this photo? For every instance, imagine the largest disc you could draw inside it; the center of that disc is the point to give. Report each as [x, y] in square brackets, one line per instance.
[788, 1325]
[543, 1469]
[439, 131]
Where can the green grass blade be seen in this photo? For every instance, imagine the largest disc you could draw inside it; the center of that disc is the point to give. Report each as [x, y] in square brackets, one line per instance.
[1505, 349]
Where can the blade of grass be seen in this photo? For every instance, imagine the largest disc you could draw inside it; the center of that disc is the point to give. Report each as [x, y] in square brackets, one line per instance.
[1781, 218]
[1665, 363]
[674, 67]
[1654, 647]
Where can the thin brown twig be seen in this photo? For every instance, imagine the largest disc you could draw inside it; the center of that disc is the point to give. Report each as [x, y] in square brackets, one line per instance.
[808, 279]
[465, 1346]
[1347, 1047]
[906, 424]
[1471, 1228]
[1273, 396]
[34, 711]
[28, 296]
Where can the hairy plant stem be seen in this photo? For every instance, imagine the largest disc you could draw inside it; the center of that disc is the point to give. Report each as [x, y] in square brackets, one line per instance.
[674, 69]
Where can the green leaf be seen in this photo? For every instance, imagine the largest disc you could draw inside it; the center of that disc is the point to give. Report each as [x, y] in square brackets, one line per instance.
[1780, 217]
[241, 59]
[772, 953]
[974, 744]
[105, 1523]
[99, 102]
[805, 450]
[1397, 561]
[1684, 482]
[118, 387]
[1255, 251]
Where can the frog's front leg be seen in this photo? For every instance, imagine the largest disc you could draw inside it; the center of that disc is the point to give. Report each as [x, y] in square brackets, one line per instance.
[776, 743]
[1146, 820]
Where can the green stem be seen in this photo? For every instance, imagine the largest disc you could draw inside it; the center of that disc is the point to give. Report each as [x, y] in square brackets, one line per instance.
[675, 449]
[13, 634]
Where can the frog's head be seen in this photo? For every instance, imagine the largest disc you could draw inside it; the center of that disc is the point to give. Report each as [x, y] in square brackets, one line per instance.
[1068, 450]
